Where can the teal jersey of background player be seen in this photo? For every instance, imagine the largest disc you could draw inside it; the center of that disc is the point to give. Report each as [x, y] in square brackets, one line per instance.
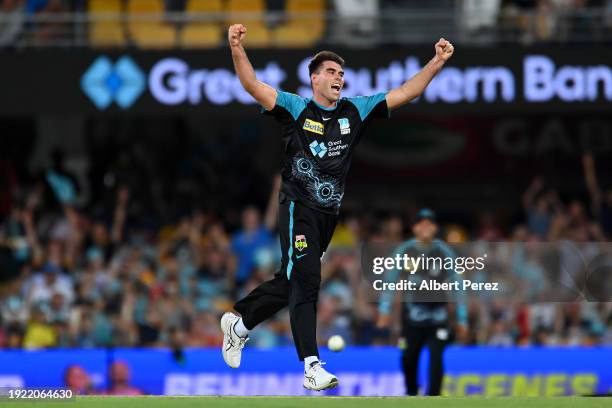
[429, 313]
[319, 143]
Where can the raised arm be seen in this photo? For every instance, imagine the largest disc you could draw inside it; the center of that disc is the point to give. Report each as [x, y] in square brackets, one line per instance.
[263, 93]
[416, 85]
[532, 191]
[590, 178]
[272, 209]
[123, 195]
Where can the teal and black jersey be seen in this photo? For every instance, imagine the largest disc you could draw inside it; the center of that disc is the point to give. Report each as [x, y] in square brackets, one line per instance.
[433, 311]
[319, 143]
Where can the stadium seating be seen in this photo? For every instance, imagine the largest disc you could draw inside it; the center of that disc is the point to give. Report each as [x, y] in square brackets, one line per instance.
[303, 27]
[205, 34]
[106, 29]
[305, 24]
[246, 11]
[148, 29]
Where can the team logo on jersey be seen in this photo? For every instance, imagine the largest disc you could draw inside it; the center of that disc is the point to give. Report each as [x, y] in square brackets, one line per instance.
[300, 242]
[314, 127]
[345, 126]
[318, 149]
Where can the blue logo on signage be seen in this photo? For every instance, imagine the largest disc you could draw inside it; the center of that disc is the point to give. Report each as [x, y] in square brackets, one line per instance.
[122, 82]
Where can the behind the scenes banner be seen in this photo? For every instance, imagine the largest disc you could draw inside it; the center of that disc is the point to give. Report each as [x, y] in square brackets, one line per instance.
[477, 80]
[363, 371]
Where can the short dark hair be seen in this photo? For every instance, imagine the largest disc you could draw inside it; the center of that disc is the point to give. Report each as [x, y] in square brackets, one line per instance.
[320, 58]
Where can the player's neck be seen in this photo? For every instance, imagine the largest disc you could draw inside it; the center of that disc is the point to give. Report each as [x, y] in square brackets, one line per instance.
[324, 102]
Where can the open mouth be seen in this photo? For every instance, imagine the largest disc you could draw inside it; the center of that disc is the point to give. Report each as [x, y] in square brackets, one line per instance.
[336, 87]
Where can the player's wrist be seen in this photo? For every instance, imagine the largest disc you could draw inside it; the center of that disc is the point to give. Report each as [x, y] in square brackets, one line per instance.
[438, 60]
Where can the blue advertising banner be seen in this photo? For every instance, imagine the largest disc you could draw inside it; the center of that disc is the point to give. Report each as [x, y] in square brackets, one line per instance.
[26, 368]
[510, 79]
[362, 371]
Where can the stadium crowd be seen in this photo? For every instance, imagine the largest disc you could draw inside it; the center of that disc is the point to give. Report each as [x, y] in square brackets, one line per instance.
[101, 275]
[479, 21]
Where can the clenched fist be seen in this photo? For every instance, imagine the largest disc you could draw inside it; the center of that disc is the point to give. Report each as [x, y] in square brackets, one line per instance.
[236, 34]
[444, 49]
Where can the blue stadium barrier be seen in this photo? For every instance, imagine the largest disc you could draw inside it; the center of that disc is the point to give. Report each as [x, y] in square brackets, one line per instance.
[362, 371]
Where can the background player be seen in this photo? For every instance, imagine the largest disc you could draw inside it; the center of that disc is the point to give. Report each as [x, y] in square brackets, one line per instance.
[424, 323]
[320, 135]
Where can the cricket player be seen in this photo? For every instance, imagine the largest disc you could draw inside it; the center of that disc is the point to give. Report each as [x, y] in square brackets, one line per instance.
[425, 323]
[319, 136]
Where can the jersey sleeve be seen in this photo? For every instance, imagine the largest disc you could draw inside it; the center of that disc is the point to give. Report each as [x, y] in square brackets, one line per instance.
[373, 106]
[288, 106]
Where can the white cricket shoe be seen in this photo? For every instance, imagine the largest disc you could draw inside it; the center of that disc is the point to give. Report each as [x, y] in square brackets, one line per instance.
[232, 343]
[316, 378]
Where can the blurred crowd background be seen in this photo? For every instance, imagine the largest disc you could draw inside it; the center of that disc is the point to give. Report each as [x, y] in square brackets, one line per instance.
[299, 23]
[117, 272]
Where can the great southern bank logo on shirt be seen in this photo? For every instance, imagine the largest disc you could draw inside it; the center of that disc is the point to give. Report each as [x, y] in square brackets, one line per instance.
[106, 82]
[312, 126]
[318, 149]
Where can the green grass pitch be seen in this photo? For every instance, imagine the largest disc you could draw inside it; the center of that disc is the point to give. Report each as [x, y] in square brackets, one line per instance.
[318, 402]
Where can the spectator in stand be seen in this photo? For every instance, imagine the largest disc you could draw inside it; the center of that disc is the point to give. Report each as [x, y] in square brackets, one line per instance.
[49, 281]
[48, 30]
[12, 20]
[601, 201]
[607, 18]
[539, 206]
[86, 282]
[499, 335]
[39, 333]
[479, 18]
[13, 307]
[44, 6]
[331, 320]
[57, 309]
[488, 228]
[254, 236]
[13, 336]
[358, 20]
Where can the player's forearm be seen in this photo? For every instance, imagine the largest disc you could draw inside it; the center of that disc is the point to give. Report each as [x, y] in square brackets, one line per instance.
[422, 79]
[244, 69]
[416, 85]
[264, 94]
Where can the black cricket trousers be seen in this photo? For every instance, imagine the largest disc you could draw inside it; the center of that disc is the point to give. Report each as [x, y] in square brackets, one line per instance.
[417, 337]
[304, 236]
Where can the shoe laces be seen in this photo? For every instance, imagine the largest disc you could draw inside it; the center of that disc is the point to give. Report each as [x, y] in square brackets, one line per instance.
[242, 342]
[318, 366]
